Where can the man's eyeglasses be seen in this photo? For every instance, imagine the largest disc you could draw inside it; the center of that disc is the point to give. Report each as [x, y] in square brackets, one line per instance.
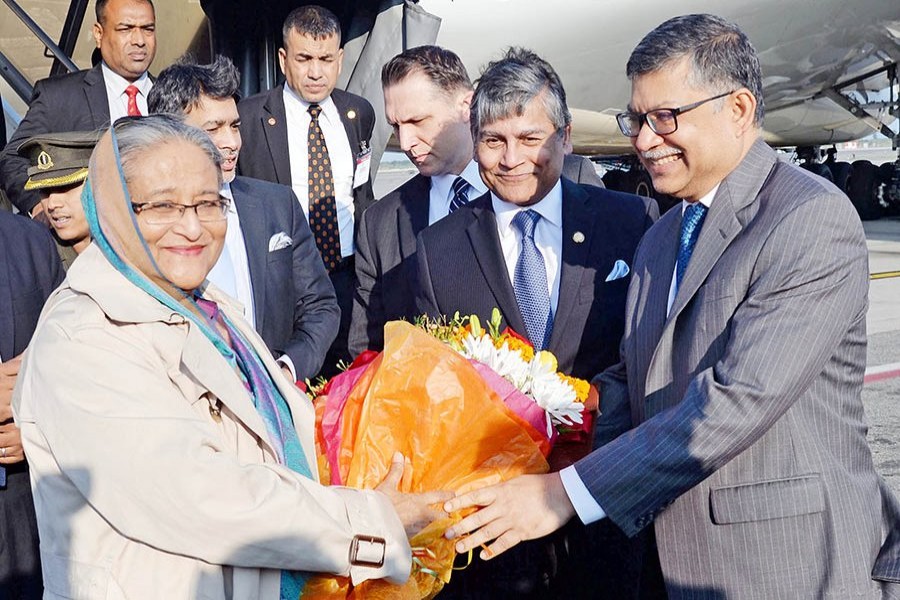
[167, 213]
[661, 121]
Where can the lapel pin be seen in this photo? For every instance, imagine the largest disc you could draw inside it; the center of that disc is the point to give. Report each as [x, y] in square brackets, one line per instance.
[272, 120]
[351, 114]
[577, 237]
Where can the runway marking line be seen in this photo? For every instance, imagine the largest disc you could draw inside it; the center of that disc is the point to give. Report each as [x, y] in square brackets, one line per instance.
[884, 275]
[881, 373]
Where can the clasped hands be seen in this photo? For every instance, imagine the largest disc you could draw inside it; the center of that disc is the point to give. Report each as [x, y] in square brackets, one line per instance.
[524, 508]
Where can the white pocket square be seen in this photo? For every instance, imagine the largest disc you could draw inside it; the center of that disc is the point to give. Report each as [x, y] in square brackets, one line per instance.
[619, 270]
[280, 240]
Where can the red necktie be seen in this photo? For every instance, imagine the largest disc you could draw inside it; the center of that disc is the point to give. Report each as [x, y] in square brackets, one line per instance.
[131, 91]
[322, 205]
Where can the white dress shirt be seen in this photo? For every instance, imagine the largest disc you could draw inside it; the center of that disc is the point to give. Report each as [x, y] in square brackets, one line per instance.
[547, 237]
[231, 272]
[116, 96]
[586, 506]
[340, 154]
[442, 191]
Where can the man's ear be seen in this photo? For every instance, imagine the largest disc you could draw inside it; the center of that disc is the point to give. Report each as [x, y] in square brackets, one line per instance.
[465, 105]
[282, 56]
[743, 110]
[567, 138]
[97, 32]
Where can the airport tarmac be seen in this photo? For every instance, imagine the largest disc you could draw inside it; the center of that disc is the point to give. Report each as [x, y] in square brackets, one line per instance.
[881, 394]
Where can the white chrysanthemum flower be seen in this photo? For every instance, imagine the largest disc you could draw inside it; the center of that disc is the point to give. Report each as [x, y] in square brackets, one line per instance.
[538, 378]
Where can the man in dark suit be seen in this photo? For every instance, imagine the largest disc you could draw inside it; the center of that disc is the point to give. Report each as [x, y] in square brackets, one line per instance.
[427, 93]
[308, 131]
[125, 33]
[552, 255]
[270, 262]
[467, 262]
[29, 271]
[736, 434]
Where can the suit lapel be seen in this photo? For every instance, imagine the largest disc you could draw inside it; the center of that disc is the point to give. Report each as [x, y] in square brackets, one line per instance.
[95, 96]
[575, 217]
[351, 125]
[412, 213]
[482, 234]
[253, 230]
[213, 372]
[274, 124]
[728, 214]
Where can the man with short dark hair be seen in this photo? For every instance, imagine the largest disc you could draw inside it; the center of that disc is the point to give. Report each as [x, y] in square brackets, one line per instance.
[315, 138]
[427, 93]
[553, 256]
[736, 433]
[270, 262]
[125, 33]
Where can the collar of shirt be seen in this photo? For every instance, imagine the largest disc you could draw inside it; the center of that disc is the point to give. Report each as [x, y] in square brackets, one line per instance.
[116, 84]
[441, 191]
[547, 237]
[225, 192]
[294, 103]
[549, 207]
[705, 200]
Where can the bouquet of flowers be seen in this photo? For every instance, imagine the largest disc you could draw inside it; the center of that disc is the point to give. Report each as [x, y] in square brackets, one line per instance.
[467, 406]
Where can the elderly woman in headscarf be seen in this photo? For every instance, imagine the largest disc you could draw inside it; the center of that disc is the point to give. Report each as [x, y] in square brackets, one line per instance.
[170, 458]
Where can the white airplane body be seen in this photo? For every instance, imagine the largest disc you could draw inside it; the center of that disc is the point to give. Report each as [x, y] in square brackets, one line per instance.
[806, 48]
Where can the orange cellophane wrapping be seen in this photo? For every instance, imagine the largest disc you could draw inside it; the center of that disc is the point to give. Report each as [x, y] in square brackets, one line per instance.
[425, 400]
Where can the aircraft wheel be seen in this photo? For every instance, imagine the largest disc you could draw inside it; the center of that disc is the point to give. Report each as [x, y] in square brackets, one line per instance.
[862, 187]
[841, 172]
[820, 170]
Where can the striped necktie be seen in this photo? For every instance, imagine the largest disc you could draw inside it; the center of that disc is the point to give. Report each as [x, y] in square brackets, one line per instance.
[322, 205]
[530, 282]
[460, 190]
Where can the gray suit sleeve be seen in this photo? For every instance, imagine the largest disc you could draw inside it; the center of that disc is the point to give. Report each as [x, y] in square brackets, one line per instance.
[316, 313]
[808, 287]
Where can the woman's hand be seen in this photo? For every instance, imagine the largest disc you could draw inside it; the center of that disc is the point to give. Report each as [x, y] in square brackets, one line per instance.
[416, 511]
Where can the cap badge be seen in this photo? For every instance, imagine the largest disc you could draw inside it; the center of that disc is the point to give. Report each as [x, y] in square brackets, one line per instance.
[44, 161]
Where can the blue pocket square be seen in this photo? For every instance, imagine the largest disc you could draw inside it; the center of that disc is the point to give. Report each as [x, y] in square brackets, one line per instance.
[619, 270]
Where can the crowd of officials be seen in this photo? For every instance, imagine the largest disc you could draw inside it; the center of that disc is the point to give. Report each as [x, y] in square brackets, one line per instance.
[184, 260]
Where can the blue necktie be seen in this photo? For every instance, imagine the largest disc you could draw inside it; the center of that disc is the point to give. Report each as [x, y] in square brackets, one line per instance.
[460, 194]
[530, 282]
[691, 222]
[2, 477]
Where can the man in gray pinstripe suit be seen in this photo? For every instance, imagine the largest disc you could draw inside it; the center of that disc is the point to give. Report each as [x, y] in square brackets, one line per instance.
[735, 439]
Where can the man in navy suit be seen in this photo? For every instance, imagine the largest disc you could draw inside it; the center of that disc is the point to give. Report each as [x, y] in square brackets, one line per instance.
[270, 262]
[125, 33]
[427, 92]
[276, 126]
[552, 255]
[29, 271]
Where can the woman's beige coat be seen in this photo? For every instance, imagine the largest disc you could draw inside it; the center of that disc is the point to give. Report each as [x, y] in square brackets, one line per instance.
[140, 491]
